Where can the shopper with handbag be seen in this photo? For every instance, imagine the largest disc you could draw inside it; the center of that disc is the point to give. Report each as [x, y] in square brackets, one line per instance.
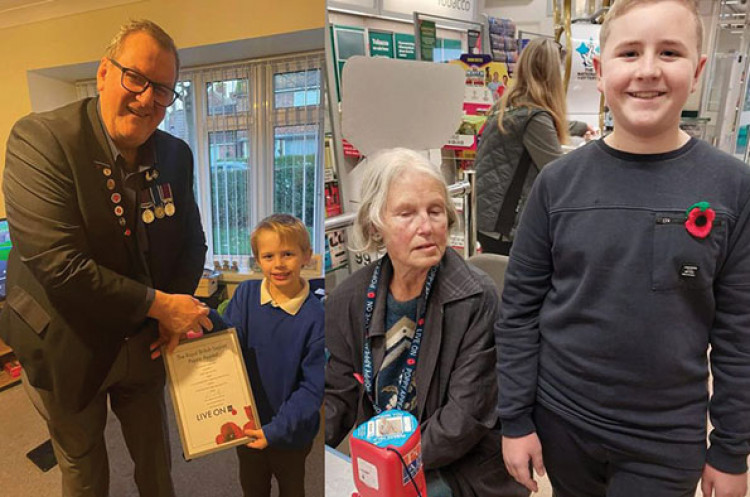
[522, 136]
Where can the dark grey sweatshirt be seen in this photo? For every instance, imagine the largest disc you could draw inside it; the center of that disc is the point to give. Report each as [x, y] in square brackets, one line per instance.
[610, 304]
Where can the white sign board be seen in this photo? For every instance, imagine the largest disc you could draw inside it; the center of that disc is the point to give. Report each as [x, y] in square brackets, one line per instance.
[387, 103]
[465, 10]
[583, 96]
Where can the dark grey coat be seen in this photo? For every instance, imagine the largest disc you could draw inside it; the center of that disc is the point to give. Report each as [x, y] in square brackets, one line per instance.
[456, 386]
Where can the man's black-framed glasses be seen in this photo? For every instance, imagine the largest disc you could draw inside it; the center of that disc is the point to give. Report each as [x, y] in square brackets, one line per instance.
[137, 83]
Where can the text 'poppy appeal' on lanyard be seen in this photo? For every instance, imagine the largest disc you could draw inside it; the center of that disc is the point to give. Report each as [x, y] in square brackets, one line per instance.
[416, 342]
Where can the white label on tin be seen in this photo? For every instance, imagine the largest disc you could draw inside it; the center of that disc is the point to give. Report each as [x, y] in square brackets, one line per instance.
[367, 473]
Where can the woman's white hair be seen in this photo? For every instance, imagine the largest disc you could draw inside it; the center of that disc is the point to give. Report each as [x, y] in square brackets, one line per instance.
[382, 170]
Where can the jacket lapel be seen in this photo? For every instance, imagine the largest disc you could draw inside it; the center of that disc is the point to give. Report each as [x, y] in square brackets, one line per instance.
[109, 181]
[430, 350]
[452, 282]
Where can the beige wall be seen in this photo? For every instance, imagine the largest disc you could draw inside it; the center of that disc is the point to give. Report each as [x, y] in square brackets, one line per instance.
[81, 38]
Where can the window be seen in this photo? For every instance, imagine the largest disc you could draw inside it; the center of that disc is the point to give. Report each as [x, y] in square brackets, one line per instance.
[297, 142]
[296, 89]
[230, 184]
[259, 150]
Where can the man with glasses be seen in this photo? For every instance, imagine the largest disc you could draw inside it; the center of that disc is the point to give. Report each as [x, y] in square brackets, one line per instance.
[108, 249]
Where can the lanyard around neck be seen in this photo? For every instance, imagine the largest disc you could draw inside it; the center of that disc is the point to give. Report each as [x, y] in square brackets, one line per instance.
[416, 342]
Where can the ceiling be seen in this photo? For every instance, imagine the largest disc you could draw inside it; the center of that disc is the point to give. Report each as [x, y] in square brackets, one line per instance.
[20, 12]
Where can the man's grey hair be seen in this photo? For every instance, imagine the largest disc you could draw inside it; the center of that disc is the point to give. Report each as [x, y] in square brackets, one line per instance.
[143, 26]
[382, 170]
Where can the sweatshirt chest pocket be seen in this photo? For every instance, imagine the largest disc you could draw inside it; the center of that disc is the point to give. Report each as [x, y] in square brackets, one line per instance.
[681, 260]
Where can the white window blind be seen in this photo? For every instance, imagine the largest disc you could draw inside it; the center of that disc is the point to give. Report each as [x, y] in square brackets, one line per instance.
[86, 89]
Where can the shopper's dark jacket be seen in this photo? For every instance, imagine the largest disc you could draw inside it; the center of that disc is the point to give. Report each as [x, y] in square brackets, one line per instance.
[499, 155]
[456, 387]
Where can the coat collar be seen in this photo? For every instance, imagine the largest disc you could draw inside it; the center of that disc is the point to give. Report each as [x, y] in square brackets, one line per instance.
[101, 153]
[454, 281]
[104, 172]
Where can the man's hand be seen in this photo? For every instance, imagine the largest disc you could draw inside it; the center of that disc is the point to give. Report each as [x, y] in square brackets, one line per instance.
[180, 313]
[168, 338]
[259, 441]
[517, 452]
[714, 483]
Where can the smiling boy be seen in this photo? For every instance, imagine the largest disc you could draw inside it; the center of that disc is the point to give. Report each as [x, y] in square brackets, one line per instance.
[280, 328]
[631, 261]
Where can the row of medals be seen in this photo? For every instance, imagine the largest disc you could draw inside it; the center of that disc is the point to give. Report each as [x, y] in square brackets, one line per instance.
[164, 208]
[167, 208]
[159, 212]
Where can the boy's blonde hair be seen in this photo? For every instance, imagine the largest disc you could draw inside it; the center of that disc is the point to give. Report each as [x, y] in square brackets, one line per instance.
[621, 7]
[538, 83]
[288, 228]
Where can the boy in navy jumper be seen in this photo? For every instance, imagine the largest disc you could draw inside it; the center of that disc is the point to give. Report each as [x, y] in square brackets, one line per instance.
[632, 260]
[280, 327]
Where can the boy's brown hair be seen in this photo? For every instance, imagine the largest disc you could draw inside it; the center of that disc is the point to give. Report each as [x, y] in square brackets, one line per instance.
[621, 7]
[287, 227]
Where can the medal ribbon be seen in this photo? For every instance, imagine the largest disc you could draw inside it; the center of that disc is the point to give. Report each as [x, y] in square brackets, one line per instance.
[165, 192]
[153, 197]
[146, 199]
[416, 342]
[168, 192]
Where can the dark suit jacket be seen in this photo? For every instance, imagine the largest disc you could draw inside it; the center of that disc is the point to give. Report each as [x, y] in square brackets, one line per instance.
[455, 376]
[76, 283]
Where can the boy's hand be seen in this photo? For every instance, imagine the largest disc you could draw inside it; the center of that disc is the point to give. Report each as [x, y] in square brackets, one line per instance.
[715, 483]
[516, 454]
[260, 441]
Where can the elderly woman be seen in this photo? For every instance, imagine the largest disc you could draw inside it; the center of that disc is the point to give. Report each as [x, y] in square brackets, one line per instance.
[419, 288]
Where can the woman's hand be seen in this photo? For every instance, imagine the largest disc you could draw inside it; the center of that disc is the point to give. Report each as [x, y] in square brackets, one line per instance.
[590, 133]
[516, 454]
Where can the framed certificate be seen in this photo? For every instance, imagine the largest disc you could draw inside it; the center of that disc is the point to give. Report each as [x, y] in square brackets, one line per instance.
[212, 398]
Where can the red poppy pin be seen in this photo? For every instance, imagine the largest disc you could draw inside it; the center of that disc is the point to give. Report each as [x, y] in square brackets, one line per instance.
[700, 219]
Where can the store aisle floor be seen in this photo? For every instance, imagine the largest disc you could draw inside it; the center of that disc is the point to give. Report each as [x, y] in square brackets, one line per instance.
[22, 429]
